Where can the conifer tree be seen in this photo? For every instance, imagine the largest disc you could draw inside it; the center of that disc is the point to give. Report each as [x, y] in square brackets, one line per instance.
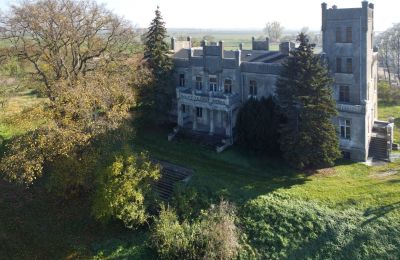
[155, 99]
[308, 138]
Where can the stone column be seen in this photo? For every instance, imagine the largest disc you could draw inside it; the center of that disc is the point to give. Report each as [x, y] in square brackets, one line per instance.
[180, 115]
[194, 118]
[228, 128]
[211, 119]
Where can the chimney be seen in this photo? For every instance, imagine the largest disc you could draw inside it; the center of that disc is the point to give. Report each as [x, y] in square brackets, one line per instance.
[241, 46]
[286, 47]
[267, 43]
[203, 43]
[371, 5]
[238, 57]
[189, 39]
[173, 43]
[253, 39]
[221, 48]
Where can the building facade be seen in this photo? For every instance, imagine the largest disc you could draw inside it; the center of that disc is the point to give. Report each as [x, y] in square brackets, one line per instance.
[213, 83]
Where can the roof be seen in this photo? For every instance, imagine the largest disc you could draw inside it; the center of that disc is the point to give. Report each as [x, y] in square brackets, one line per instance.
[246, 55]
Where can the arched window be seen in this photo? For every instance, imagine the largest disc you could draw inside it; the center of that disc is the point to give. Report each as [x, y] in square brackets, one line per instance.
[228, 86]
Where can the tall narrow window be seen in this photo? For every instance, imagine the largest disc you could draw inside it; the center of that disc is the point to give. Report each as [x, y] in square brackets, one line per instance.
[338, 34]
[339, 65]
[349, 65]
[345, 128]
[228, 86]
[199, 112]
[183, 108]
[253, 88]
[213, 83]
[199, 83]
[344, 94]
[181, 80]
[349, 34]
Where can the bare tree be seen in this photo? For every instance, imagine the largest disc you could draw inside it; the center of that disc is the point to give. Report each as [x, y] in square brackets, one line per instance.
[273, 30]
[385, 53]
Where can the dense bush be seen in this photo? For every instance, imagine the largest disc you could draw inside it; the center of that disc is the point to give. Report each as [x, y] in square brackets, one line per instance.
[280, 227]
[125, 189]
[213, 235]
[388, 94]
[257, 126]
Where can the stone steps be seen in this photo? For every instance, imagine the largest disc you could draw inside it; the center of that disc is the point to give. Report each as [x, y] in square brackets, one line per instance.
[378, 148]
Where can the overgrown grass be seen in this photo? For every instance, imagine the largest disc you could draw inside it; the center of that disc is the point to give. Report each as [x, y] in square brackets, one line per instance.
[33, 224]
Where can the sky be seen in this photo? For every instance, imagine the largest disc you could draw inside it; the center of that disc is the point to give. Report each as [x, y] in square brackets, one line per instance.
[245, 14]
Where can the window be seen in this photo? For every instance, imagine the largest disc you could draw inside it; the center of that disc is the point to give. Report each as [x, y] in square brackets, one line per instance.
[228, 86]
[199, 83]
[349, 34]
[339, 65]
[349, 65]
[338, 34]
[253, 88]
[199, 112]
[345, 128]
[344, 94]
[346, 155]
[183, 108]
[213, 83]
[181, 80]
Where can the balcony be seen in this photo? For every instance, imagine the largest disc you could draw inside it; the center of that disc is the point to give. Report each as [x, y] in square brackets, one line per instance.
[212, 100]
[350, 108]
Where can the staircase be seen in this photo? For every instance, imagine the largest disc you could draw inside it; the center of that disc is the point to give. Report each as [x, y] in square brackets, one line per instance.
[170, 175]
[378, 148]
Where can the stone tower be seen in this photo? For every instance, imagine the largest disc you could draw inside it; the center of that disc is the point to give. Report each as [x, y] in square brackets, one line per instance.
[348, 46]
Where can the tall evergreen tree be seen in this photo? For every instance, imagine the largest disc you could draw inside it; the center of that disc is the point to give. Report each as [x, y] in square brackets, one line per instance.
[155, 99]
[308, 138]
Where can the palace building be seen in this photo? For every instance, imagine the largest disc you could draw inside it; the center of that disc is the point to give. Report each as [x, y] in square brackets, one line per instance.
[213, 83]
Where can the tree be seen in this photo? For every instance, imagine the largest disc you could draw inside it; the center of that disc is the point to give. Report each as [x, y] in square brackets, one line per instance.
[308, 138]
[155, 99]
[274, 30]
[257, 126]
[80, 57]
[125, 189]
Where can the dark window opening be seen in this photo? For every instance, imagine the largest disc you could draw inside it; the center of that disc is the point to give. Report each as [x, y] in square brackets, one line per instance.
[199, 83]
[199, 112]
[349, 34]
[349, 65]
[339, 65]
[346, 155]
[344, 94]
[181, 80]
[183, 108]
[338, 34]
[228, 86]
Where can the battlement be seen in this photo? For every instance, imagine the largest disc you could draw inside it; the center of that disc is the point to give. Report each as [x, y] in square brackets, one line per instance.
[259, 45]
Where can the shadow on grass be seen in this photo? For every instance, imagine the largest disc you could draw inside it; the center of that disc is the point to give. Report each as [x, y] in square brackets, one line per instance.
[373, 214]
[233, 174]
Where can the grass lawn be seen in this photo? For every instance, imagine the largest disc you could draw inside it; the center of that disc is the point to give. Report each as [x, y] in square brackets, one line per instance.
[34, 225]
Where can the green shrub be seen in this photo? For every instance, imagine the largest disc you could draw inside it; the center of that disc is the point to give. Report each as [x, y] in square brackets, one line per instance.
[213, 235]
[125, 189]
[188, 201]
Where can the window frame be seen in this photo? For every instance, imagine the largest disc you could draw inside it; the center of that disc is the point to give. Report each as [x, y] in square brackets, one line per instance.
[199, 83]
[213, 85]
[338, 33]
[253, 88]
[349, 65]
[345, 128]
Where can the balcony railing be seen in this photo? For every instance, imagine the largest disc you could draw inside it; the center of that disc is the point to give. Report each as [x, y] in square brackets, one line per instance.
[350, 108]
[210, 98]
